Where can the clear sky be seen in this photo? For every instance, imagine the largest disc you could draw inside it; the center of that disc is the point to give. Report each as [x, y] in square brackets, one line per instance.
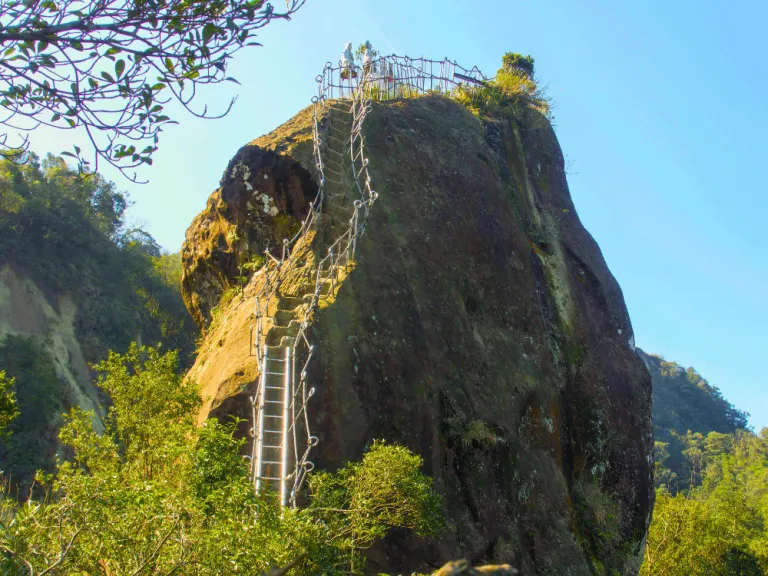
[661, 107]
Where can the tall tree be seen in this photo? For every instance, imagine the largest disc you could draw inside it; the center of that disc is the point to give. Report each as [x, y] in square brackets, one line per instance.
[109, 67]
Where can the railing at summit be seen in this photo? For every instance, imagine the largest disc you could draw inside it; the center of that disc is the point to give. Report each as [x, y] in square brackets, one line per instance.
[382, 79]
[390, 77]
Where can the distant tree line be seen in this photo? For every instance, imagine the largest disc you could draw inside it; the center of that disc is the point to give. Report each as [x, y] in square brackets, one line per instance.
[711, 473]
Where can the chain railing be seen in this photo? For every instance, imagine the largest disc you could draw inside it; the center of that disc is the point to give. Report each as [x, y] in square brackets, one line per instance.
[381, 79]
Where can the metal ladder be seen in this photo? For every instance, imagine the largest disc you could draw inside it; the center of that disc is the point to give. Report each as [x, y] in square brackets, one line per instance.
[273, 469]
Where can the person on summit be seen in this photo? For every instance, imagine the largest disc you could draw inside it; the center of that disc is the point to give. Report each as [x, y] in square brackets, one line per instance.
[368, 57]
[348, 63]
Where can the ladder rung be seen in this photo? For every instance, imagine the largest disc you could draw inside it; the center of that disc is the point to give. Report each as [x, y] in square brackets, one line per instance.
[274, 387]
[273, 447]
[271, 416]
[276, 359]
[273, 401]
[273, 431]
[270, 462]
[269, 477]
[275, 373]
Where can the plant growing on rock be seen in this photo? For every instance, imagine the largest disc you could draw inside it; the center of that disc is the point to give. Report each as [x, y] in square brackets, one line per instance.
[514, 87]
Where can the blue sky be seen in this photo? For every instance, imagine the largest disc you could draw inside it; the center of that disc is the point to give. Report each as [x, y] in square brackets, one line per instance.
[661, 108]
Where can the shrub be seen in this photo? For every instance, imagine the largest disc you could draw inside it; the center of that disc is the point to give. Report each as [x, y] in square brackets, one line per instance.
[8, 409]
[514, 62]
[156, 494]
[514, 88]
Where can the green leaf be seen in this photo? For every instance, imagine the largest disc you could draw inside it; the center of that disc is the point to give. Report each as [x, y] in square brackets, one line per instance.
[169, 64]
[208, 31]
[70, 122]
[93, 83]
[77, 45]
[112, 51]
[119, 67]
[42, 45]
[55, 117]
[107, 77]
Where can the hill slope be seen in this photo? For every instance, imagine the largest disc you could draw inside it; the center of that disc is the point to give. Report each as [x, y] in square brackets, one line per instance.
[686, 408]
[74, 283]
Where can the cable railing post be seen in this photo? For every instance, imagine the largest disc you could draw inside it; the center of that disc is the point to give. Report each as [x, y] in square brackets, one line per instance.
[285, 438]
[260, 437]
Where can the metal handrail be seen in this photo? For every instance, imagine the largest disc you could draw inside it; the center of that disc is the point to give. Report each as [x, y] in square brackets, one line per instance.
[384, 78]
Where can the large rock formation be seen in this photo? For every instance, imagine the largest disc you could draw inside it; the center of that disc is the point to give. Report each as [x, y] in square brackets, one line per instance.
[480, 327]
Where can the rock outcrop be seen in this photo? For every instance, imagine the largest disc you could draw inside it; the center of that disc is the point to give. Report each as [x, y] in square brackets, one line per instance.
[480, 327]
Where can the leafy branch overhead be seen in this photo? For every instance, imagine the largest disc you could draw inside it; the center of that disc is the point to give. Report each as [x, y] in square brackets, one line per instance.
[110, 67]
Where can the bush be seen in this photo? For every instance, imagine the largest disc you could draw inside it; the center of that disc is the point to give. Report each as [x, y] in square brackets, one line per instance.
[8, 409]
[514, 88]
[156, 494]
[514, 62]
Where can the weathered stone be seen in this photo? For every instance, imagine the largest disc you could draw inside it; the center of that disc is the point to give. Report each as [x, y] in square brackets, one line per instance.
[481, 328]
[264, 196]
[459, 567]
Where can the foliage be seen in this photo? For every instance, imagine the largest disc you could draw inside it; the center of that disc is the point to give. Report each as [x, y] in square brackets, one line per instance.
[67, 234]
[515, 62]
[686, 408]
[8, 408]
[362, 501]
[110, 67]
[479, 434]
[514, 88]
[39, 404]
[720, 527]
[360, 53]
[156, 494]
[711, 512]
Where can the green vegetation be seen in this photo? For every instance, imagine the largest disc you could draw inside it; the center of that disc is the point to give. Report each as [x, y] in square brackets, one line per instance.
[67, 64]
[40, 402]
[514, 88]
[8, 408]
[711, 512]
[156, 494]
[67, 233]
[685, 409]
[721, 526]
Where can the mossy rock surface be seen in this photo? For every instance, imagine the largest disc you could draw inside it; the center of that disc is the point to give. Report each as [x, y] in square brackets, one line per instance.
[481, 328]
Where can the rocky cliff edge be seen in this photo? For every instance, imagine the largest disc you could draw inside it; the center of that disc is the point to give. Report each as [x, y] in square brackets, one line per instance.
[480, 327]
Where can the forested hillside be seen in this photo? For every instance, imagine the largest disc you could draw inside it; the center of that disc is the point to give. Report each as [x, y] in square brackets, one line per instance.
[711, 474]
[686, 408]
[65, 237]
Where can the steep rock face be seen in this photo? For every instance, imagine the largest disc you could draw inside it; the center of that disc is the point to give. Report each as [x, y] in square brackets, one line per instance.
[265, 194]
[26, 311]
[45, 322]
[481, 328]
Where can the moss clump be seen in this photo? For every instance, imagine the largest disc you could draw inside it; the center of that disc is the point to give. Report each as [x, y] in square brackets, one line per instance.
[285, 226]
